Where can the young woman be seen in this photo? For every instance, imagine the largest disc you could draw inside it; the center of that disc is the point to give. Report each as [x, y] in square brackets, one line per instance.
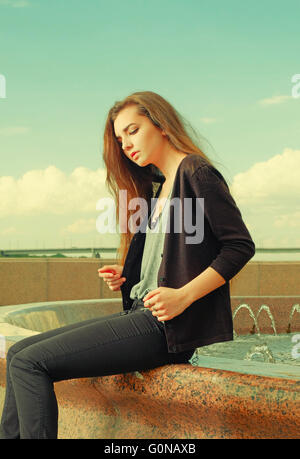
[175, 287]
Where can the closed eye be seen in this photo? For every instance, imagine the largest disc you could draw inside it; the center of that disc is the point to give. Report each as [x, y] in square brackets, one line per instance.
[130, 133]
[133, 132]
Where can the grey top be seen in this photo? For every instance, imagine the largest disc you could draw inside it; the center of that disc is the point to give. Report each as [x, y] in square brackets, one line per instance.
[153, 251]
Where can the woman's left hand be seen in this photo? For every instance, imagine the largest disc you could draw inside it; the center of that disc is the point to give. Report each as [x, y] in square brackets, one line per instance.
[166, 303]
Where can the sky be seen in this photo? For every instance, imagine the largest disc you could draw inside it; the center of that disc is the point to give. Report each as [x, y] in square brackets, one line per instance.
[227, 67]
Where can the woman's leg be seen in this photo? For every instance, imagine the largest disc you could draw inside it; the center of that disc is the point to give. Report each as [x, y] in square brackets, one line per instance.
[9, 427]
[110, 345]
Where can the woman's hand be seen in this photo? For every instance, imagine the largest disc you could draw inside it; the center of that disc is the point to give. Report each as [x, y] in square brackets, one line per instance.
[166, 303]
[111, 274]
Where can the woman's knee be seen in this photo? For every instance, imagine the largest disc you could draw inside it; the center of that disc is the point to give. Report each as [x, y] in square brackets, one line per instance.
[21, 364]
[25, 359]
[12, 351]
[19, 346]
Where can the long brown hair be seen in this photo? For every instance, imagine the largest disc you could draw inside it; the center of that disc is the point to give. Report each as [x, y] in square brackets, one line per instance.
[122, 173]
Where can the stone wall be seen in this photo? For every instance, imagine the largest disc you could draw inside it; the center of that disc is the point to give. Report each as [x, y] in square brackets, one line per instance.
[39, 280]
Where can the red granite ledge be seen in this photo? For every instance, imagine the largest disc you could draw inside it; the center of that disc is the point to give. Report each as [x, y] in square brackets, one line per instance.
[194, 402]
[178, 401]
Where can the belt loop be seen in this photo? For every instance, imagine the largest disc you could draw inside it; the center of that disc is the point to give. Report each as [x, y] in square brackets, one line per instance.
[136, 304]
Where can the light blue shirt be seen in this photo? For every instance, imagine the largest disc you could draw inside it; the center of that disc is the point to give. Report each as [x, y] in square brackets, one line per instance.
[153, 251]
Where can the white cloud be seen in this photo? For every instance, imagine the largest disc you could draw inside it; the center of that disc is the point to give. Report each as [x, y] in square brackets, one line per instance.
[51, 191]
[269, 197]
[275, 100]
[208, 120]
[53, 203]
[15, 3]
[291, 220]
[8, 231]
[275, 180]
[14, 130]
[81, 226]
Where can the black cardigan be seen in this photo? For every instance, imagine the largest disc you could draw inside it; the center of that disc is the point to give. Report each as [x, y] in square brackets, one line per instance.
[226, 247]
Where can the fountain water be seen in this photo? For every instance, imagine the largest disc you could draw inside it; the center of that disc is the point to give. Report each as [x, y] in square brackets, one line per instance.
[262, 350]
[246, 306]
[258, 349]
[266, 308]
[295, 308]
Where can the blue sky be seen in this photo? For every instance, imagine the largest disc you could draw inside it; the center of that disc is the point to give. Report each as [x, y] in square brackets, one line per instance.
[225, 66]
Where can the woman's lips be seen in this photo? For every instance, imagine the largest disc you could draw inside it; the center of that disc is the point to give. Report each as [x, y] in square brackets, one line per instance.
[134, 153]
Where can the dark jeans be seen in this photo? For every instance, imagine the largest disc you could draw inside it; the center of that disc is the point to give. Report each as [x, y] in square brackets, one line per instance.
[127, 341]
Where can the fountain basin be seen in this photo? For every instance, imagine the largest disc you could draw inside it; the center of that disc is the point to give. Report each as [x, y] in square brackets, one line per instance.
[215, 397]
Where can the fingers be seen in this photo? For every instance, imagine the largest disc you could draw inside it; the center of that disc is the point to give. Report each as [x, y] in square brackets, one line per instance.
[156, 309]
[112, 269]
[161, 315]
[111, 276]
[117, 281]
[150, 295]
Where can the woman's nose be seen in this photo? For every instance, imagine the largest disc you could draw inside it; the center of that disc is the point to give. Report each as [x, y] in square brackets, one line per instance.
[126, 144]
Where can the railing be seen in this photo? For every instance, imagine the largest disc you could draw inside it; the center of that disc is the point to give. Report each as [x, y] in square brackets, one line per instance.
[95, 250]
[91, 250]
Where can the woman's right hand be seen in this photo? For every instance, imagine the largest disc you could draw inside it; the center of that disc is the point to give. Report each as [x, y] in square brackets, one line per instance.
[111, 274]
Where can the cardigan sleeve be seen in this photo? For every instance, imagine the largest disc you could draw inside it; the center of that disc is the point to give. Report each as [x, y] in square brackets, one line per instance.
[225, 221]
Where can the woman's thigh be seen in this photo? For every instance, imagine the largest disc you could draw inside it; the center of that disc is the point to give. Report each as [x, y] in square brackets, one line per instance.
[115, 344]
[23, 343]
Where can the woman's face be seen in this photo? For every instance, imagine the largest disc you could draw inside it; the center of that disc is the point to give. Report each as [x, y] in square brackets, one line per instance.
[141, 141]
